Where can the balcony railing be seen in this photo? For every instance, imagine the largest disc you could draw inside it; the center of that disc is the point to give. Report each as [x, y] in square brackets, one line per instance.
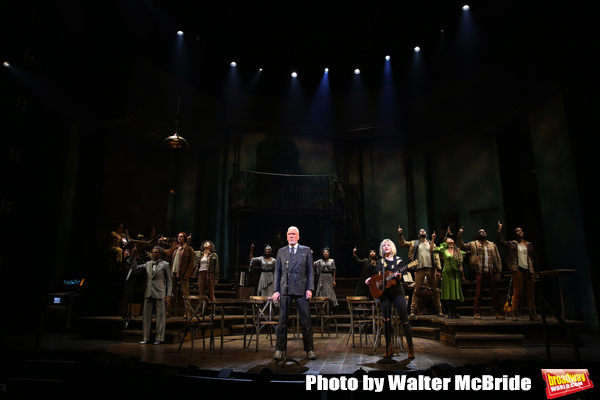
[257, 191]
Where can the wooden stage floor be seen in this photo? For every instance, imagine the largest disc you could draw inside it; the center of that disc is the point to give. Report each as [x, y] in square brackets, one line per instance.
[337, 356]
[67, 366]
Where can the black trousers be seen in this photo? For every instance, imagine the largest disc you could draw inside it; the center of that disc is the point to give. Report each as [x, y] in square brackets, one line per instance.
[399, 302]
[285, 303]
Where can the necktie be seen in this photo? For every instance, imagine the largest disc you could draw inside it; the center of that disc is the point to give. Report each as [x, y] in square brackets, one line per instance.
[153, 267]
[292, 252]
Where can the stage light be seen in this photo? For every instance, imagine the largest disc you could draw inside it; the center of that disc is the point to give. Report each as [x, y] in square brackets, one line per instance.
[294, 75]
[417, 49]
[326, 70]
[260, 70]
[387, 58]
[179, 33]
[175, 141]
[6, 64]
[466, 7]
[233, 64]
[356, 71]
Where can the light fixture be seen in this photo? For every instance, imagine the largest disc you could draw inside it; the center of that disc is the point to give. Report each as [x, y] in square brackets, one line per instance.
[294, 75]
[6, 64]
[179, 33]
[387, 58]
[466, 7]
[417, 49]
[175, 141]
[356, 71]
[233, 64]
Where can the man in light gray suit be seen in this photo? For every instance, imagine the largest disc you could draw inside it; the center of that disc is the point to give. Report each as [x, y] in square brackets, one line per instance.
[294, 280]
[157, 292]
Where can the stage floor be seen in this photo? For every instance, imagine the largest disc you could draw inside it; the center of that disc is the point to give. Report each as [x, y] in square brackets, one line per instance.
[335, 356]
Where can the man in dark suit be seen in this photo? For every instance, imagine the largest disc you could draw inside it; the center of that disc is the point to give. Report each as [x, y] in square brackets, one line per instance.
[294, 280]
[157, 291]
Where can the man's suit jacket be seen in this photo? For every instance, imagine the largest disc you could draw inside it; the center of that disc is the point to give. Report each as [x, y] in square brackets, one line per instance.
[294, 277]
[159, 282]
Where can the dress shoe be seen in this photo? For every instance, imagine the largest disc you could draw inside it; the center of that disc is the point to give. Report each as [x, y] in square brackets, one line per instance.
[159, 342]
[534, 318]
[412, 315]
[311, 355]
[278, 355]
[500, 316]
[477, 316]
[440, 314]
[145, 342]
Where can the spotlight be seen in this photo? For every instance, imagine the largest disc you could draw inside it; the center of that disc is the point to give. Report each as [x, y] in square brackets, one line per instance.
[417, 49]
[260, 70]
[387, 58]
[356, 71]
[466, 7]
[326, 70]
[6, 64]
[233, 64]
[179, 33]
[294, 75]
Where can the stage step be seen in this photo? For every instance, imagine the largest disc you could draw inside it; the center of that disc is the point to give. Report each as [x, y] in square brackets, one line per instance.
[487, 339]
[426, 332]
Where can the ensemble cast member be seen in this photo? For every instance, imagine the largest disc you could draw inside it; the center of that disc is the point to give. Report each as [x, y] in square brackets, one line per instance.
[522, 260]
[182, 259]
[118, 239]
[294, 281]
[367, 269]
[393, 296]
[424, 294]
[156, 293]
[208, 269]
[325, 268]
[429, 267]
[451, 273]
[266, 282]
[485, 260]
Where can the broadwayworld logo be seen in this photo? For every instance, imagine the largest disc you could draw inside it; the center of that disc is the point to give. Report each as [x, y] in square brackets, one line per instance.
[561, 382]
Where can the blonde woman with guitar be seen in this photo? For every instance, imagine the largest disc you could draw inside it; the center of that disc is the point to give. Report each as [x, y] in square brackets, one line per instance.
[386, 286]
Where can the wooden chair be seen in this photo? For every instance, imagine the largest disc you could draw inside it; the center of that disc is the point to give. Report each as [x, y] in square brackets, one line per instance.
[263, 316]
[196, 319]
[362, 315]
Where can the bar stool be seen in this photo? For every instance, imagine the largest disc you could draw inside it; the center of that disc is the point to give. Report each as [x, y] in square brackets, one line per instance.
[263, 315]
[362, 314]
[195, 320]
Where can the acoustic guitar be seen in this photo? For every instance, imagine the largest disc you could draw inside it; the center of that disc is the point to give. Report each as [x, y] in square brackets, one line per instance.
[379, 283]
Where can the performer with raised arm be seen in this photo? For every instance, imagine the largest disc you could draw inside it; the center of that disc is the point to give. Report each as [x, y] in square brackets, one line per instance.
[485, 260]
[266, 282]
[156, 294]
[294, 281]
[367, 269]
[522, 260]
[429, 267]
[387, 274]
[451, 273]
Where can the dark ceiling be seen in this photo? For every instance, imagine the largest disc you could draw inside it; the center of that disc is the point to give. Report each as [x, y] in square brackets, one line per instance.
[86, 48]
